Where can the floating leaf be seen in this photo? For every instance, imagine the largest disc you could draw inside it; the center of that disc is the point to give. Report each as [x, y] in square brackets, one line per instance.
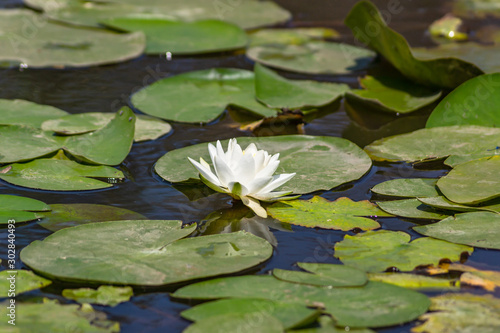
[104, 295]
[341, 214]
[461, 313]
[407, 188]
[290, 36]
[237, 322]
[376, 251]
[305, 155]
[413, 281]
[478, 229]
[474, 102]
[21, 112]
[323, 275]
[50, 316]
[412, 208]
[103, 252]
[215, 89]
[59, 175]
[476, 8]
[444, 72]
[399, 305]
[448, 27]
[327, 325]
[22, 280]
[180, 38]
[390, 94]
[278, 92]
[69, 215]
[455, 160]
[489, 280]
[20, 209]
[289, 314]
[56, 45]
[443, 203]
[434, 143]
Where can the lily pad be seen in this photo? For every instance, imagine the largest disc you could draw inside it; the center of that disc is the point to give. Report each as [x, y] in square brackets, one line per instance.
[215, 89]
[182, 38]
[461, 313]
[59, 175]
[475, 102]
[22, 279]
[478, 229]
[375, 251]
[472, 182]
[489, 280]
[69, 215]
[20, 209]
[278, 92]
[476, 8]
[142, 253]
[434, 143]
[393, 95]
[407, 188]
[443, 203]
[414, 281]
[50, 316]
[369, 27]
[42, 43]
[21, 112]
[455, 160]
[412, 208]
[323, 275]
[327, 325]
[397, 305]
[290, 36]
[305, 155]
[237, 322]
[104, 295]
[341, 214]
[289, 314]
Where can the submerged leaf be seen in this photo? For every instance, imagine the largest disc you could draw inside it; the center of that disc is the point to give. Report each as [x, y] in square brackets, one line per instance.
[104, 295]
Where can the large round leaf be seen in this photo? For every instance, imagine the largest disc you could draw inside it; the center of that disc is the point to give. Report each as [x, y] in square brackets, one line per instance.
[394, 305]
[481, 229]
[472, 182]
[147, 253]
[215, 89]
[412, 208]
[237, 322]
[30, 39]
[24, 281]
[475, 102]
[376, 251]
[443, 203]
[178, 37]
[408, 188]
[21, 112]
[20, 209]
[364, 19]
[321, 163]
[434, 143]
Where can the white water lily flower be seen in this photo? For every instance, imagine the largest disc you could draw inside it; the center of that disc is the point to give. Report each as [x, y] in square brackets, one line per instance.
[246, 175]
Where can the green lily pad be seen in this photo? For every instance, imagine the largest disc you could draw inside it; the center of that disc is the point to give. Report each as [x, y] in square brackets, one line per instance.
[59, 175]
[397, 305]
[346, 161]
[21, 112]
[22, 279]
[461, 313]
[443, 203]
[323, 275]
[278, 92]
[476, 8]
[327, 325]
[237, 322]
[289, 314]
[407, 188]
[412, 208]
[475, 102]
[365, 18]
[142, 253]
[182, 38]
[414, 281]
[375, 251]
[104, 295]
[50, 316]
[69, 215]
[341, 214]
[290, 36]
[455, 160]
[20, 209]
[472, 182]
[215, 89]
[478, 229]
[434, 143]
[393, 95]
[56, 45]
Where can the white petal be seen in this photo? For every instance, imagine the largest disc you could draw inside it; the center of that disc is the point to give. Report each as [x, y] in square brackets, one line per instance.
[258, 184]
[205, 164]
[224, 173]
[230, 148]
[244, 170]
[212, 151]
[251, 149]
[220, 151]
[259, 158]
[255, 206]
[207, 173]
[270, 195]
[269, 170]
[238, 189]
[277, 181]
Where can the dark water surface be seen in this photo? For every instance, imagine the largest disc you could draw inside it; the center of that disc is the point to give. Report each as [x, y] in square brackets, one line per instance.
[107, 88]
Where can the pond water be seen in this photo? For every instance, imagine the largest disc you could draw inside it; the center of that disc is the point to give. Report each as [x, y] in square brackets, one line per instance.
[106, 88]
